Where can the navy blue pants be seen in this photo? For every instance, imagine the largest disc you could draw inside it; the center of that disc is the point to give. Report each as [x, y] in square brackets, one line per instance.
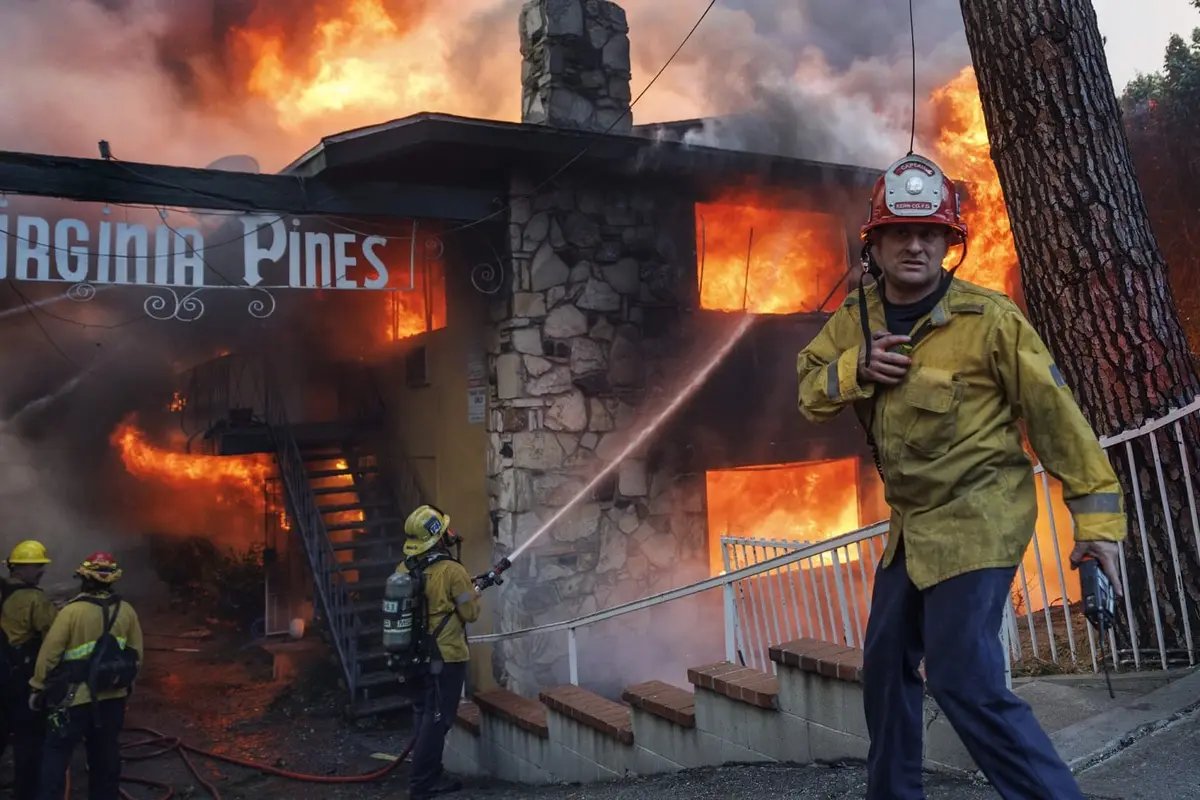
[955, 626]
[28, 729]
[98, 729]
[434, 711]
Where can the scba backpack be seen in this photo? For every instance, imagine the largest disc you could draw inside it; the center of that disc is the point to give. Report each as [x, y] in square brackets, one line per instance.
[111, 666]
[413, 652]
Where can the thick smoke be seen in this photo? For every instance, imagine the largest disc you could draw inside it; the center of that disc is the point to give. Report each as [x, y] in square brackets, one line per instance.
[182, 82]
[827, 80]
[75, 370]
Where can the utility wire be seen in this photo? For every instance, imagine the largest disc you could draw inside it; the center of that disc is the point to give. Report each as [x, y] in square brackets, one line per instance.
[590, 144]
[45, 334]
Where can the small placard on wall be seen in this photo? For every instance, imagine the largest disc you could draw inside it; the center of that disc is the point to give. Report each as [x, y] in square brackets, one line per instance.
[476, 404]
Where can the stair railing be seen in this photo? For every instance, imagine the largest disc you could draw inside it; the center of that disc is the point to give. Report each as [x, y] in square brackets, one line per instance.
[332, 587]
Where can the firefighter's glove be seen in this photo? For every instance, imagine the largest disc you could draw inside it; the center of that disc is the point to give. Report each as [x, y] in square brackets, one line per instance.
[37, 701]
[1108, 554]
[889, 362]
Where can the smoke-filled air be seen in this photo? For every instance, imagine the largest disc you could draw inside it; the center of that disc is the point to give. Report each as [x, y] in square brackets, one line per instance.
[190, 82]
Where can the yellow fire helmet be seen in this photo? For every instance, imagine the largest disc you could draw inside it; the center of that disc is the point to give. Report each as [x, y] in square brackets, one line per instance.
[423, 528]
[29, 552]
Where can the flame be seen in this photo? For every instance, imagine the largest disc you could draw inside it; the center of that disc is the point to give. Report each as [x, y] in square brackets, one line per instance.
[418, 305]
[363, 57]
[964, 153]
[407, 309]
[757, 254]
[230, 478]
[806, 502]
[178, 403]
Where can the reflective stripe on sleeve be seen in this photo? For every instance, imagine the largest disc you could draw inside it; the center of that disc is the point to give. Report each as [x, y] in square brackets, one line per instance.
[1103, 503]
[465, 597]
[833, 386]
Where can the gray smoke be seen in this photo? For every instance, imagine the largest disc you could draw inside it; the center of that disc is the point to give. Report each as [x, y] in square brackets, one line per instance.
[166, 81]
[161, 80]
[824, 80]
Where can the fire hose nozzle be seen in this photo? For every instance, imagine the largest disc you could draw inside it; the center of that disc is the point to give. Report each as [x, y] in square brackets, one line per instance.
[492, 576]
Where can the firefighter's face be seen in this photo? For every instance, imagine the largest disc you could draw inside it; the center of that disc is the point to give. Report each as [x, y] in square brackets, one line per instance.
[911, 255]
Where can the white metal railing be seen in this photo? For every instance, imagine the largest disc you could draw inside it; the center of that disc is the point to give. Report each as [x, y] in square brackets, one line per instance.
[776, 590]
[726, 583]
[827, 595]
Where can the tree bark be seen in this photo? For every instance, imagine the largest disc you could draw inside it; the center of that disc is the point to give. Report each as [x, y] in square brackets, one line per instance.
[1094, 279]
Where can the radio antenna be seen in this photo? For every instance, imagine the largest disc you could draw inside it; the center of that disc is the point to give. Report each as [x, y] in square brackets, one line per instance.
[912, 31]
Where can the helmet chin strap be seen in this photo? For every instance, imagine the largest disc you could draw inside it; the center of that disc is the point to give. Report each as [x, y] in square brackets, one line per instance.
[869, 267]
[961, 258]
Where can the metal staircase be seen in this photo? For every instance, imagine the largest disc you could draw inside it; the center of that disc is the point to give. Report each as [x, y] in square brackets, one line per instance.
[341, 507]
[344, 513]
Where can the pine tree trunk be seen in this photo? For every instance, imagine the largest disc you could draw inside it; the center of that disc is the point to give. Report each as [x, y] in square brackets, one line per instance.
[1094, 279]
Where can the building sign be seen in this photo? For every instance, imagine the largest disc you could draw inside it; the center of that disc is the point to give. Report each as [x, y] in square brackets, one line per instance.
[477, 389]
[88, 246]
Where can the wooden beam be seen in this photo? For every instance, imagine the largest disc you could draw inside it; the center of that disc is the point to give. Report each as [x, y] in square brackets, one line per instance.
[96, 180]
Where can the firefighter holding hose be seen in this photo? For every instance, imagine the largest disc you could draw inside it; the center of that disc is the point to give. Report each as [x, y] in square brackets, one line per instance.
[84, 673]
[940, 372]
[427, 605]
[26, 615]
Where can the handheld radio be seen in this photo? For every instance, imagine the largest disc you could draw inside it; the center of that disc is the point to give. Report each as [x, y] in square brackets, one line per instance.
[1099, 606]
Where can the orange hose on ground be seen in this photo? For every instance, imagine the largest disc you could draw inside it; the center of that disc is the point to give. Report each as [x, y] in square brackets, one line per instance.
[164, 744]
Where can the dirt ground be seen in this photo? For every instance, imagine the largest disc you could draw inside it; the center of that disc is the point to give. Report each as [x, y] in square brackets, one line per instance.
[224, 699]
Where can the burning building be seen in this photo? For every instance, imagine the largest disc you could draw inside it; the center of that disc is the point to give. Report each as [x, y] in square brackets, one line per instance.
[523, 346]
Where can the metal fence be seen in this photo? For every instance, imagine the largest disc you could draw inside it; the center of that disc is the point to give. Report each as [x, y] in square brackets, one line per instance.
[776, 590]
[827, 595]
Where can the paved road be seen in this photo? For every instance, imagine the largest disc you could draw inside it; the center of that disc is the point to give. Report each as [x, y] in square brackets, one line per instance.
[1164, 766]
[734, 782]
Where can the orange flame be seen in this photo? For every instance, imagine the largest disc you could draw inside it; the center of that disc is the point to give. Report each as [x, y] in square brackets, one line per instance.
[240, 476]
[805, 502]
[178, 403]
[757, 254]
[363, 59]
[964, 153]
[407, 309]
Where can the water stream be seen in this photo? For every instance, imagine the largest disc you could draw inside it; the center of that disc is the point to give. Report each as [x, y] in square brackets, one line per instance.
[647, 430]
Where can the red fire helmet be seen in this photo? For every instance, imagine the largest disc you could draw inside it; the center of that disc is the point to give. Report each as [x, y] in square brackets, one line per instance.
[915, 190]
[99, 566]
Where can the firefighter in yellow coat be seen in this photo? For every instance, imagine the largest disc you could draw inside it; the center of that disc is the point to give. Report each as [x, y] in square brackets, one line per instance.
[940, 372]
[451, 602]
[26, 615]
[85, 670]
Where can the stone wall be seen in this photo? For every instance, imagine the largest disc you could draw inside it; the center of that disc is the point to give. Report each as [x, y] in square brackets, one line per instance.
[575, 367]
[575, 68]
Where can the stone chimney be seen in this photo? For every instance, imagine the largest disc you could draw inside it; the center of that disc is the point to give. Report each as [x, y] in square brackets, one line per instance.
[575, 68]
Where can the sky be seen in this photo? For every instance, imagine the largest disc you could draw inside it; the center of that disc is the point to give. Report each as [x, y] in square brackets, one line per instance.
[1138, 31]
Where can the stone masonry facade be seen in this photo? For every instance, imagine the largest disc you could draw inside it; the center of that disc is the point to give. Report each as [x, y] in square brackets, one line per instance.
[575, 367]
[575, 67]
[581, 347]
